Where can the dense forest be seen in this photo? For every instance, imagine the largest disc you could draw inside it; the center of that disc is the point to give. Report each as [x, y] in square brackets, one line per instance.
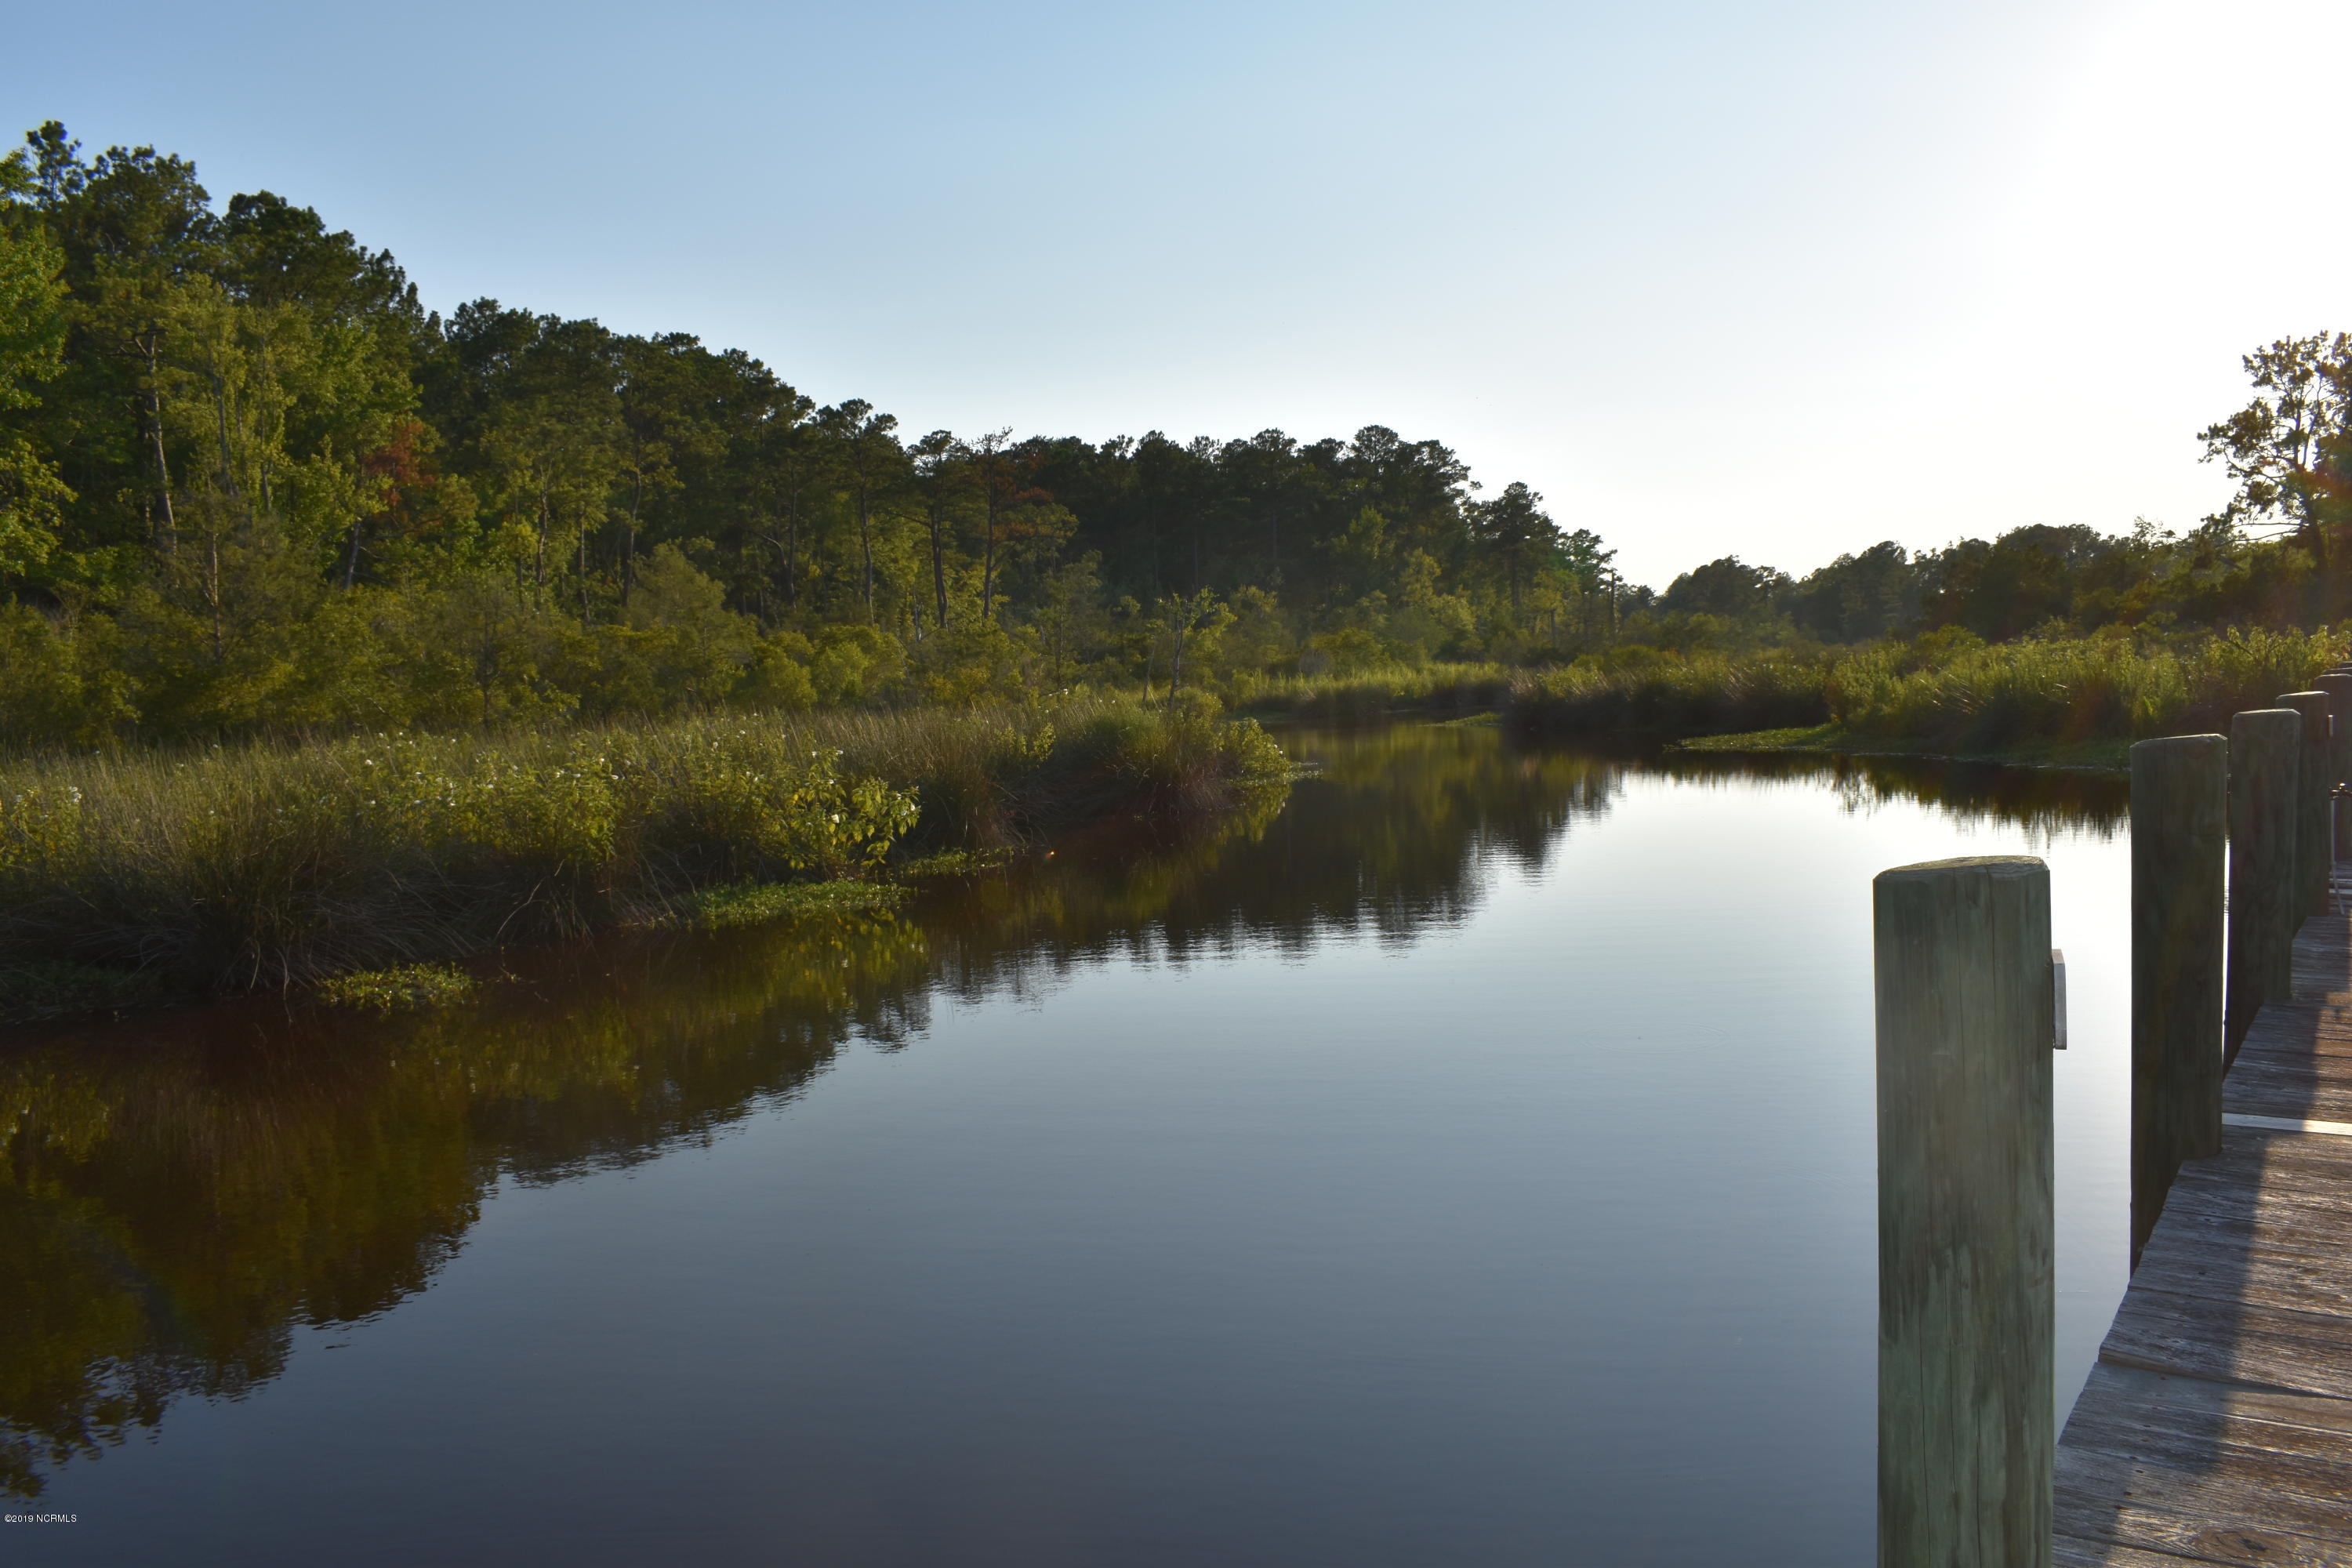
[250, 483]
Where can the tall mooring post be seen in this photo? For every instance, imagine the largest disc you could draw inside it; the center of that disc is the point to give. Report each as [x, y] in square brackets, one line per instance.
[2315, 784]
[2265, 782]
[2180, 830]
[2337, 684]
[1966, 1300]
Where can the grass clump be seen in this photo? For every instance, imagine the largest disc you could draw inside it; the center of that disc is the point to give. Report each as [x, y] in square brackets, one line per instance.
[756, 903]
[278, 865]
[403, 987]
[955, 863]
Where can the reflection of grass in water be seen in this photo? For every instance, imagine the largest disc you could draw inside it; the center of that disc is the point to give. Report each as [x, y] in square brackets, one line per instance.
[40, 989]
[2040, 799]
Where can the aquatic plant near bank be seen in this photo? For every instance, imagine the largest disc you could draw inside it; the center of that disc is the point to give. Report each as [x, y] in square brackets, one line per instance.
[125, 876]
[757, 903]
[403, 988]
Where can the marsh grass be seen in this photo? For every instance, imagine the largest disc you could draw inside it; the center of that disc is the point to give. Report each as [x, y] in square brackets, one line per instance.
[2073, 700]
[278, 865]
[2071, 690]
[1446, 689]
[1644, 691]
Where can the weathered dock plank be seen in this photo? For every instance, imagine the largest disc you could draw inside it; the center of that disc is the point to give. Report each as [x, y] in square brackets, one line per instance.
[2216, 1425]
[2302, 1027]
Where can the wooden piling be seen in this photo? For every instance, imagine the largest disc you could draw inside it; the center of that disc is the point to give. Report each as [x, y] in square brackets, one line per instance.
[2337, 684]
[1966, 1300]
[2265, 782]
[2180, 830]
[2314, 834]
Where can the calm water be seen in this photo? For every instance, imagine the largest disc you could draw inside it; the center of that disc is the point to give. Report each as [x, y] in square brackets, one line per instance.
[1468, 1160]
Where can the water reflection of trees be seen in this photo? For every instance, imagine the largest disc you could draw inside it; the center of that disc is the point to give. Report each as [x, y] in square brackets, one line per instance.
[1386, 836]
[182, 1194]
[2041, 800]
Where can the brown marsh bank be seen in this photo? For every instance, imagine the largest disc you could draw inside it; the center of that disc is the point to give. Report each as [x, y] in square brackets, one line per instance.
[1329, 1180]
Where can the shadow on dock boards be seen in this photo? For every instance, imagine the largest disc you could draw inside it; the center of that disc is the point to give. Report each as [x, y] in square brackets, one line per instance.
[2217, 1425]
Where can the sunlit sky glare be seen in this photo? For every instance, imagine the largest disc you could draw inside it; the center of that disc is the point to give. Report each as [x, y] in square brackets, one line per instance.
[1782, 280]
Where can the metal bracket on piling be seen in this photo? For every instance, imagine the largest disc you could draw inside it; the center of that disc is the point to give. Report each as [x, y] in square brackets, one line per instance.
[2058, 997]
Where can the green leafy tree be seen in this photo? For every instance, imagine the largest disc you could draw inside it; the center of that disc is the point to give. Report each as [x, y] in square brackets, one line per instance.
[32, 351]
[2290, 449]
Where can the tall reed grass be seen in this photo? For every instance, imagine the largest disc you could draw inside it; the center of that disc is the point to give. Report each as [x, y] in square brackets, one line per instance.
[275, 866]
[2077, 689]
[1648, 692]
[1444, 688]
[1937, 692]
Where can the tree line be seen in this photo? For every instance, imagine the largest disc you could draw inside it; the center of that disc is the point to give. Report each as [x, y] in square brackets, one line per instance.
[2275, 555]
[249, 481]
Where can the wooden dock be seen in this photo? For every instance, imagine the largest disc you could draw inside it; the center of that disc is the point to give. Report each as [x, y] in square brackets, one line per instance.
[2217, 1425]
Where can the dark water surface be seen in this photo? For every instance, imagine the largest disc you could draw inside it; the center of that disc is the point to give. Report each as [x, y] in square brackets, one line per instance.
[1468, 1160]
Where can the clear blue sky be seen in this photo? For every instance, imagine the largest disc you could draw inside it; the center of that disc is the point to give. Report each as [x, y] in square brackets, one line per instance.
[1782, 280]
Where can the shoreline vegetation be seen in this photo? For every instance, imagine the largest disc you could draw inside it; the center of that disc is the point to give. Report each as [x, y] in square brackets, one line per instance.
[2077, 702]
[361, 870]
[367, 864]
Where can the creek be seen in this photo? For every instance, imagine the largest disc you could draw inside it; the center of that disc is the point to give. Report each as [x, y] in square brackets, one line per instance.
[1468, 1158]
